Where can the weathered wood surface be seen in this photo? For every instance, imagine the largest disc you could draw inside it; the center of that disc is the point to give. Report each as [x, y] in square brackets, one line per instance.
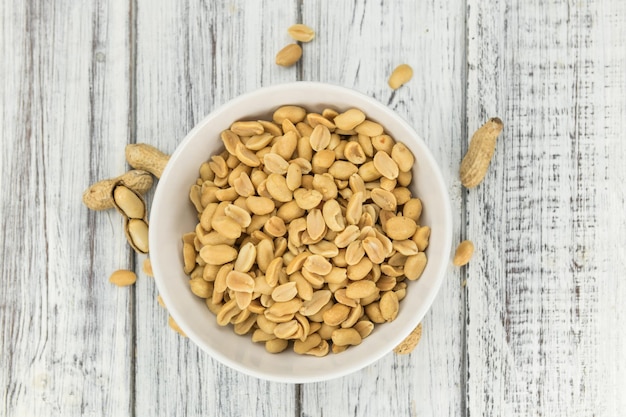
[536, 330]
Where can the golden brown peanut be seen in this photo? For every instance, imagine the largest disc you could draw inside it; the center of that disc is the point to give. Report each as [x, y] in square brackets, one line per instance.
[123, 278]
[403, 157]
[354, 210]
[285, 292]
[320, 350]
[240, 281]
[343, 337]
[364, 327]
[276, 345]
[361, 289]
[374, 249]
[384, 199]
[303, 346]
[275, 163]
[349, 119]
[368, 172]
[369, 128]
[359, 270]
[314, 119]
[320, 138]
[463, 253]
[201, 288]
[389, 306]
[342, 170]
[289, 55]
[301, 33]
[247, 128]
[400, 75]
[383, 143]
[412, 209]
[294, 114]
[278, 189]
[336, 315]
[400, 228]
[415, 265]
[385, 165]
[146, 158]
[137, 235]
[410, 342]
[99, 196]
[482, 146]
[314, 305]
[189, 257]
[317, 264]
[218, 254]
[421, 238]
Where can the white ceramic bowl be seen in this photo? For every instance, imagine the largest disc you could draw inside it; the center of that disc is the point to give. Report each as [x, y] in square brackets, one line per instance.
[173, 215]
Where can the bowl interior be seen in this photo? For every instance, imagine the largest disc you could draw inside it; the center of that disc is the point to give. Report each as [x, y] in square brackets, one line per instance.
[172, 215]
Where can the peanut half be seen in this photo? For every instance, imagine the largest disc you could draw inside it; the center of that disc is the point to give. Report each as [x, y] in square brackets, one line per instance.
[463, 253]
[289, 55]
[301, 33]
[482, 146]
[400, 75]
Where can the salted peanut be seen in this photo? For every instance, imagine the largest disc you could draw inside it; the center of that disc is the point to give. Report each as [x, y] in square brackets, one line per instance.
[304, 346]
[243, 326]
[315, 224]
[354, 252]
[195, 196]
[383, 143]
[243, 300]
[307, 199]
[218, 254]
[482, 146]
[385, 165]
[246, 156]
[257, 223]
[320, 138]
[344, 337]
[391, 271]
[349, 119]
[366, 144]
[286, 145]
[243, 185]
[400, 75]
[356, 313]
[277, 187]
[322, 161]
[260, 205]
[206, 174]
[368, 172]
[412, 209]
[325, 331]
[276, 345]
[304, 143]
[301, 33]
[294, 176]
[189, 257]
[374, 249]
[341, 297]
[386, 242]
[361, 289]
[201, 288]
[421, 236]
[218, 166]
[387, 184]
[369, 128]
[209, 273]
[463, 253]
[324, 248]
[314, 305]
[264, 254]
[405, 247]
[265, 325]
[354, 210]
[274, 270]
[289, 55]
[230, 140]
[405, 178]
[389, 306]
[305, 290]
[285, 292]
[123, 278]
[271, 127]
[403, 157]
[364, 327]
[225, 194]
[247, 128]
[275, 163]
[275, 227]
[325, 184]
[386, 283]
[228, 311]
[287, 307]
[317, 264]
[337, 275]
[255, 306]
[415, 265]
[226, 226]
[359, 270]
[304, 164]
[320, 350]
[335, 315]
[400, 228]
[354, 153]
[314, 119]
[246, 258]
[356, 184]
[384, 199]
[342, 170]
[294, 114]
[214, 238]
[256, 142]
[347, 236]
[239, 215]
[331, 211]
[236, 173]
[305, 132]
[260, 336]
[372, 311]
[288, 127]
[402, 194]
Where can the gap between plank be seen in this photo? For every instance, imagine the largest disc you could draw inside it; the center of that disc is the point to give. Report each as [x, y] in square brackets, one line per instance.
[464, 220]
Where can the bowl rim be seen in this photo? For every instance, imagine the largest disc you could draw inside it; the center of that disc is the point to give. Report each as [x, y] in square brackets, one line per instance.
[425, 153]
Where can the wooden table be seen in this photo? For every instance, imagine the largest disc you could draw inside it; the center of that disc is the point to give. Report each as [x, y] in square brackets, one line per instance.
[533, 326]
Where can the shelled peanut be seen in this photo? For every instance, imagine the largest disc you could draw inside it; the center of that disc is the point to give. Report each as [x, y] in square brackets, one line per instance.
[307, 232]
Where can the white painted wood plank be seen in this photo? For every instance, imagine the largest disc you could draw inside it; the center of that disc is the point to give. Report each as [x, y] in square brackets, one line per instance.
[544, 295]
[191, 58]
[358, 45]
[66, 331]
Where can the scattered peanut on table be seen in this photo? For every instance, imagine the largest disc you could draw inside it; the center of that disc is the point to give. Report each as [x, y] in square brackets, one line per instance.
[463, 253]
[401, 75]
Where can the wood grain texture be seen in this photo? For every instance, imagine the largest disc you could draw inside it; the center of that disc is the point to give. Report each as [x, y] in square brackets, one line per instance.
[191, 58]
[542, 292]
[66, 332]
[358, 45]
